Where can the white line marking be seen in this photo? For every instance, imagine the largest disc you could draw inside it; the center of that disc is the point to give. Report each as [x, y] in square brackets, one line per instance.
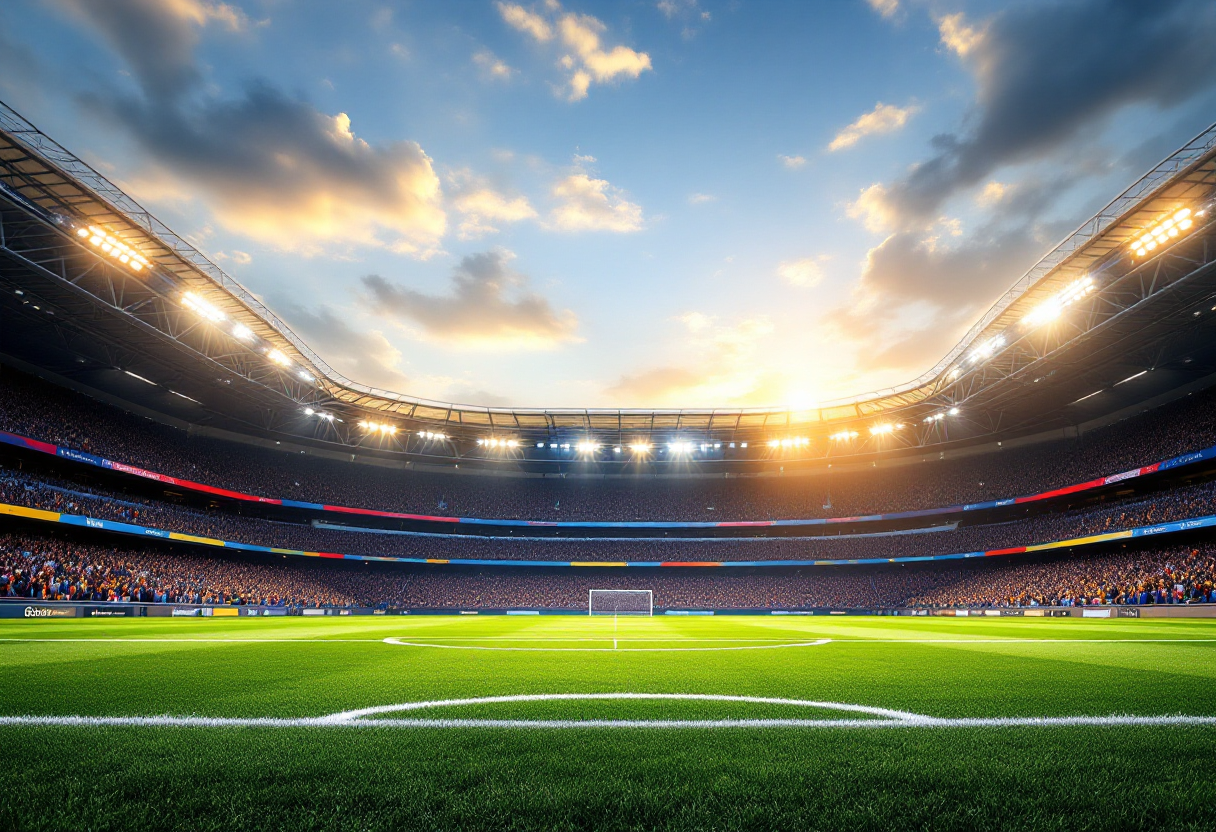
[307, 722]
[566, 697]
[400, 643]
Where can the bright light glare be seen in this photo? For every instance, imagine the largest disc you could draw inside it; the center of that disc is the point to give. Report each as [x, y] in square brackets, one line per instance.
[953, 411]
[587, 447]
[881, 430]
[242, 332]
[278, 357]
[843, 436]
[1163, 231]
[376, 427]
[203, 309]
[436, 437]
[640, 447]
[987, 349]
[681, 447]
[1051, 308]
[116, 248]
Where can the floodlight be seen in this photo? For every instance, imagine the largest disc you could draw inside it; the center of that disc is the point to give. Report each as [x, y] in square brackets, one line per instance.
[278, 357]
[113, 247]
[202, 308]
[305, 376]
[586, 447]
[843, 436]
[953, 411]
[242, 332]
[987, 349]
[881, 430]
[308, 411]
[640, 447]
[1051, 308]
[1171, 227]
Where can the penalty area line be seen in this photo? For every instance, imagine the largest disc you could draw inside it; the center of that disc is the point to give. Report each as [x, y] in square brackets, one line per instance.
[566, 724]
[397, 642]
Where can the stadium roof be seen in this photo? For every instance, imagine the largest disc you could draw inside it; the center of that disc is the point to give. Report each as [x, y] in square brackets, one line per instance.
[1091, 328]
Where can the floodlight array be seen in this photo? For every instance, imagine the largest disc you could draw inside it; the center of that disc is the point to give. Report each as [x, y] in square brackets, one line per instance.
[203, 309]
[789, 442]
[320, 414]
[432, 436]
[494, 442]
[106, 243]
[844, 436]
[681, 447]
[378, 427]
[587, 447]
[1051, 308]
[1163, 231]
[986, 349]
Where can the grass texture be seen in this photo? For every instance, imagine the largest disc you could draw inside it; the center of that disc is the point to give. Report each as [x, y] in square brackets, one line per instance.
[378, 777]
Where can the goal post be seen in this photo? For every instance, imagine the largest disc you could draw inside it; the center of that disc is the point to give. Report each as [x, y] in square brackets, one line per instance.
[620, 602]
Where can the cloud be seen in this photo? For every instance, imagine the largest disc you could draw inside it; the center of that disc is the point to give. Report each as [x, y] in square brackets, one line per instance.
[886, 8]
[884, 118]
[491, 66]
[482, 207]
[157, 39]
[587, 204]
[490, 307]
[805, 273]
[275, 169]
[688, 12]
[361, 355]
[240, 258]
[792, 162]
[525, 21]
[701, 199]
[585, 59]
[726, 362]
[1047, 73]
[268, 166]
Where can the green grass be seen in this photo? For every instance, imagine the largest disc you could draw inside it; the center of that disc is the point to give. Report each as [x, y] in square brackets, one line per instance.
[611, 778]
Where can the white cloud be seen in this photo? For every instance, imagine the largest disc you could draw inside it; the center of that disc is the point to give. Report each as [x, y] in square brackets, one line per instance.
[701, 199]
[957, 36]
[792, 162]
[525, 21]
[587, 204]
[805, 273]
[872, 208]
[481, 206]
[585, 60]
[884, 118]
[886, 8]
[491, 66]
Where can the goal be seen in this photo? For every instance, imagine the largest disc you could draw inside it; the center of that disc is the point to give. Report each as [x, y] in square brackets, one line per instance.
[620, 602]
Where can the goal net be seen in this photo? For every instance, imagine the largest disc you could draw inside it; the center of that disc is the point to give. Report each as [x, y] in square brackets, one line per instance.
[620, 602]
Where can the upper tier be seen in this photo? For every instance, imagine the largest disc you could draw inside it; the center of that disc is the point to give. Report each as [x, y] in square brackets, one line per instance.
[34, 408]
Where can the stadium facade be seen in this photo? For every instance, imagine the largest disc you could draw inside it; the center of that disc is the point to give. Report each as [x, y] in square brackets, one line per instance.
[97, 293]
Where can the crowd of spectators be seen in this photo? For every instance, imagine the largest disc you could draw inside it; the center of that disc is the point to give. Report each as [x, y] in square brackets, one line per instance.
[47, 568]
[19, 488]
[34, 408]
[1174, 575]
[50, 569]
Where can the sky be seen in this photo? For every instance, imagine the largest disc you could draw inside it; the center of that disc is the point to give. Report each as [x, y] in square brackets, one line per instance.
[643, 203]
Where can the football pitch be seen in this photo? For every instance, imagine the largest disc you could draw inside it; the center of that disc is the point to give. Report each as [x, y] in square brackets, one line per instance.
[440, 722]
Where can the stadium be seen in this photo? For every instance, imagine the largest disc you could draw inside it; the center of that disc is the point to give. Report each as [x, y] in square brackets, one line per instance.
[986, 596]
